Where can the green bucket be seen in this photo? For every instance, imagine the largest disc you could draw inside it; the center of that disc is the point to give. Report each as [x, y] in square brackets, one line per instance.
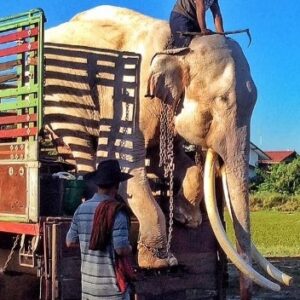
[73, 194]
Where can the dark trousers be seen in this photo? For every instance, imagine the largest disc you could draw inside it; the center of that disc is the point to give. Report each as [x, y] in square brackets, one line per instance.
[181, 23]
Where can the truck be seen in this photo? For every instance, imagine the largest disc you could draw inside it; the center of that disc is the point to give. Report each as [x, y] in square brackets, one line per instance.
[39, 190]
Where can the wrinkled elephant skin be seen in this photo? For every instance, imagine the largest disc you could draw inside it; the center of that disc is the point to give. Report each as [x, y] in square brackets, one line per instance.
[213, 78]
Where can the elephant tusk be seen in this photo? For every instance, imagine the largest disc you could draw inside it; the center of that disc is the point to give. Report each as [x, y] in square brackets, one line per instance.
[216, 224]
[265, 264]
[270, 269]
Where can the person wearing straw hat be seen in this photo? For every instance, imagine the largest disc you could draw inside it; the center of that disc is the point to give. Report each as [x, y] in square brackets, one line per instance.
[100, 226]
[189, 16]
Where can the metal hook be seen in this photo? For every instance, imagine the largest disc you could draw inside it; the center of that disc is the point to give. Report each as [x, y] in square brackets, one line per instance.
[247, 31]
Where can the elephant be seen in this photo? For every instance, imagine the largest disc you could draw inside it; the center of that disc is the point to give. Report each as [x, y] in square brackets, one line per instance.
[78, 110]
[205, 94]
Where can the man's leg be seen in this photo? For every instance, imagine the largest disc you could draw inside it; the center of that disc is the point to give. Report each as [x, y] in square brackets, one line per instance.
[180, 23]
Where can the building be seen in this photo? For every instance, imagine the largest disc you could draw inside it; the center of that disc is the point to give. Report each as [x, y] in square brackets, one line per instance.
[255, 157]
[277, 157]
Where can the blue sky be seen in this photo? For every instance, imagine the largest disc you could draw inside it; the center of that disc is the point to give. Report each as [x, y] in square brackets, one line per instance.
[274, 55]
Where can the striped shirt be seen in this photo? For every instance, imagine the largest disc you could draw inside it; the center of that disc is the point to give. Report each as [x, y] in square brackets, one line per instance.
[98, 276]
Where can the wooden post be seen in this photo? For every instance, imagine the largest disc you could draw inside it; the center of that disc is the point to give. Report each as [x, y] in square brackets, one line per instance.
[54, 289]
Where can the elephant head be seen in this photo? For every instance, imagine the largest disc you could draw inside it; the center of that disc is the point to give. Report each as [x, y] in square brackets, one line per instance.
[213, 78]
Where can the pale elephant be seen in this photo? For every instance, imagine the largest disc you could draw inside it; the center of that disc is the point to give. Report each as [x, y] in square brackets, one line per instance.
[213, 80]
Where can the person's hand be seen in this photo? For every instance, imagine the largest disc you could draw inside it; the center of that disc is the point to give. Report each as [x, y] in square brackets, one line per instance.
[206, 31]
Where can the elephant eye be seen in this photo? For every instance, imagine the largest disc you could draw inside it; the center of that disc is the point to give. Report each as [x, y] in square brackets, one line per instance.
[221, 100]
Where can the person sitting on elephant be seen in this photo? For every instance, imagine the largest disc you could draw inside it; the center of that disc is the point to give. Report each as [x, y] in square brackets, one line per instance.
[189, 16]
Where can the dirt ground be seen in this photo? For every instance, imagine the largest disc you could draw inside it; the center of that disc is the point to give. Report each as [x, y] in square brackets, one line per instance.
[290, 266]
[18, 286]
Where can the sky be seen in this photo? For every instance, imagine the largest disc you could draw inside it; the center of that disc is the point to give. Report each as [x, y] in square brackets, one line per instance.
[274, 55]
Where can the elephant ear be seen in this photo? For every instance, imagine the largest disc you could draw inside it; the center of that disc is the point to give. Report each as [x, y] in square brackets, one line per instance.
[168, 76]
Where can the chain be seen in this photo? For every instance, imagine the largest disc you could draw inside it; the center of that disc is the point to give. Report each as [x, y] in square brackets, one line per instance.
[166, 159]
[157, 252]
[163, 137]
[154, 251]
[3, 270]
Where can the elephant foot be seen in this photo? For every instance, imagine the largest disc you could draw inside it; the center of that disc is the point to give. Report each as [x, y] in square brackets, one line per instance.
[153, 258]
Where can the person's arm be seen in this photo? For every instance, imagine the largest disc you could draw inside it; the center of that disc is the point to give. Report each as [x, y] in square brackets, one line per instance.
[218, 20]
[200, 10]
[72, 239]
[120, 235]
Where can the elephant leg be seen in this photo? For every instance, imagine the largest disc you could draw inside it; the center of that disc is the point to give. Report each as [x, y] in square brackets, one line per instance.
[188, 184]
[152, 239]
[189, 178]
[83, 150]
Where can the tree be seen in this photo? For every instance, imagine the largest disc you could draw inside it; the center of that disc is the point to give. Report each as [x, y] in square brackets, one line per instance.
[282, 178]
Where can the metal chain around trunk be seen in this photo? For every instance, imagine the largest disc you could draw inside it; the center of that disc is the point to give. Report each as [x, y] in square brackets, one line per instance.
[3, 270]
[166, 158]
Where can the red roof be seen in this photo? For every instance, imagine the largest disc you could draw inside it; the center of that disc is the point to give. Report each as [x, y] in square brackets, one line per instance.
[280, 156]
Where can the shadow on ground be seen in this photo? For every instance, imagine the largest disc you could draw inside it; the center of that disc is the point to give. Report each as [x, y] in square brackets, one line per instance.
[291, 266]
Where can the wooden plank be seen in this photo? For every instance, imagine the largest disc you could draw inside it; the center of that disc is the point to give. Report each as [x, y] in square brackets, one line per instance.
[20, 228]
[19, 49]
[9, 64]
[7, 86]
[131, 60]
[69, 263]
[25, 90]
[20, 132]
[18, 119]
[163, 285]
[8, 77]
[19, 35]
[23, 21]
[114, 70]
[12, 151]
[18, 104]
[7, 154]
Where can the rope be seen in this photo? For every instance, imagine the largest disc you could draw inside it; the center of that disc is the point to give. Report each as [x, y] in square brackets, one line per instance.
[3, 270]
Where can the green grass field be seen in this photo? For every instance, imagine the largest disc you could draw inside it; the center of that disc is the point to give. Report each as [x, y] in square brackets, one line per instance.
[275, 234]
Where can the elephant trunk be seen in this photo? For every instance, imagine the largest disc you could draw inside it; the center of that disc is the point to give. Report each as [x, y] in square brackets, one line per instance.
[236, 161]
[237, 177]
[256, 255]
[241, 261]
